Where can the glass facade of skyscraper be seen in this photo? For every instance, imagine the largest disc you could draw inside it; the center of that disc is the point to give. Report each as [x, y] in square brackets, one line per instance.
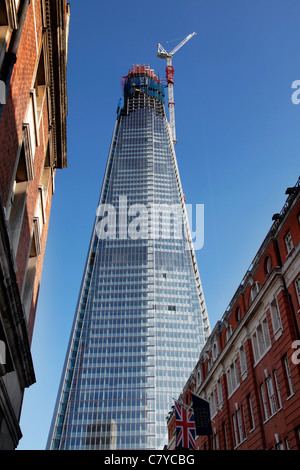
[140, 321]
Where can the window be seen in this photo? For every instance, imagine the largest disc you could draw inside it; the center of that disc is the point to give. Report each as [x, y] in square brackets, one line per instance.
[266, 334]
[235, 429]
[40, 212]
[17, 201]
[4, 30]
[254, 291]
[240, 425]
[35, 105]
[233, 377]
[261, 340]
[229, 332]
[16, 212]
[268, 265]
[287, 444]
[250, 412]
[8, 21]
[40, 85]
[217, 441]
[243, 361]
[271, 396]
[199, 376]
[224, 435]
[220, 393]
[31, 123]
[255, 347]
[215, 351]
[275, 316]
[28, 156]
[237, 421]
[288, 376]
[277, 389]
[264, 401]
[213, 403]
[238, 315]
[288, 242]
[171, 308]
[34, 251]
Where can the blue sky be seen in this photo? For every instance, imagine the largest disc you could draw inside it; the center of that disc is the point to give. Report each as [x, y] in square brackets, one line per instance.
[238, 147]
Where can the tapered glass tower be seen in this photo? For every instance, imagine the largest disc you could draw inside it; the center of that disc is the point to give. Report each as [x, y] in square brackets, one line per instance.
[141, 320]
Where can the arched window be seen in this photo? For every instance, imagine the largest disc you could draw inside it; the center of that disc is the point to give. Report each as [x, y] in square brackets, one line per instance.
[254, 291]
[215, 350]
[238, 315]
[199, 376]
[229, 332]
[268, 264]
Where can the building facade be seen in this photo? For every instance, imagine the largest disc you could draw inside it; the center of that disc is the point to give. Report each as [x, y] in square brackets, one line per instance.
[33, 109]
[249, 368]
[141, 317]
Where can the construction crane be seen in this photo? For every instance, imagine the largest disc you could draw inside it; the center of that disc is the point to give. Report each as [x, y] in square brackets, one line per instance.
[163, 54]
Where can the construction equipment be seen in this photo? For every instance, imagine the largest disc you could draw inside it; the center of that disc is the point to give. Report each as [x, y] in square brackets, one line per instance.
[163, 54]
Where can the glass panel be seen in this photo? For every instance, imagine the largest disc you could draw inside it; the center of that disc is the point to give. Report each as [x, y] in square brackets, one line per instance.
[138, 329]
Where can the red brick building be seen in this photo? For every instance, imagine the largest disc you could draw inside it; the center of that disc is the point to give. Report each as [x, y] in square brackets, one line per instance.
[249, 369]
[33, 110]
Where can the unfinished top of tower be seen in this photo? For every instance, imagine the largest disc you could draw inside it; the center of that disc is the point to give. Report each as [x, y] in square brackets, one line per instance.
[142, 88]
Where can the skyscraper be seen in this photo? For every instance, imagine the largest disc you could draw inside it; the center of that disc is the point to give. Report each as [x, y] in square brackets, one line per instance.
[141, 320]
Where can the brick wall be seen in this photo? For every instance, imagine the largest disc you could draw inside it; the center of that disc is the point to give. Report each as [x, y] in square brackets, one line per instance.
[270, 371]
[32, 146]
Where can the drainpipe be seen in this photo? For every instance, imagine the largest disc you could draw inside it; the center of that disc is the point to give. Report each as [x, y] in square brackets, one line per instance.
[11, 54]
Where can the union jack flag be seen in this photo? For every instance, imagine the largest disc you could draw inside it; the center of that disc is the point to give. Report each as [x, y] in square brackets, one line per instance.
[185, 427]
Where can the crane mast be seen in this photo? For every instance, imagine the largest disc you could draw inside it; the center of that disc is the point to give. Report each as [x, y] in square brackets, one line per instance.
[163, 54]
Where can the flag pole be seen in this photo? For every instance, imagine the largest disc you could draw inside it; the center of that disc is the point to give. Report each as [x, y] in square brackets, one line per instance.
[187, 407]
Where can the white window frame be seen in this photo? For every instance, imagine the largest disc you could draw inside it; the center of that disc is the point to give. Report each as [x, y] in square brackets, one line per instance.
[276, 318]
[240, 425]
[255, 288]
[264, 401]
[271, 396]
[215, 350]
[251, 412]
[268, 265]
[288, 242]
[235, 430]
[277, 389]
[243, 361]
[220, 393]
[199, 376]
[261, 341]
[233, 379]
[228, 333]
[288, 377]
[213, 403]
